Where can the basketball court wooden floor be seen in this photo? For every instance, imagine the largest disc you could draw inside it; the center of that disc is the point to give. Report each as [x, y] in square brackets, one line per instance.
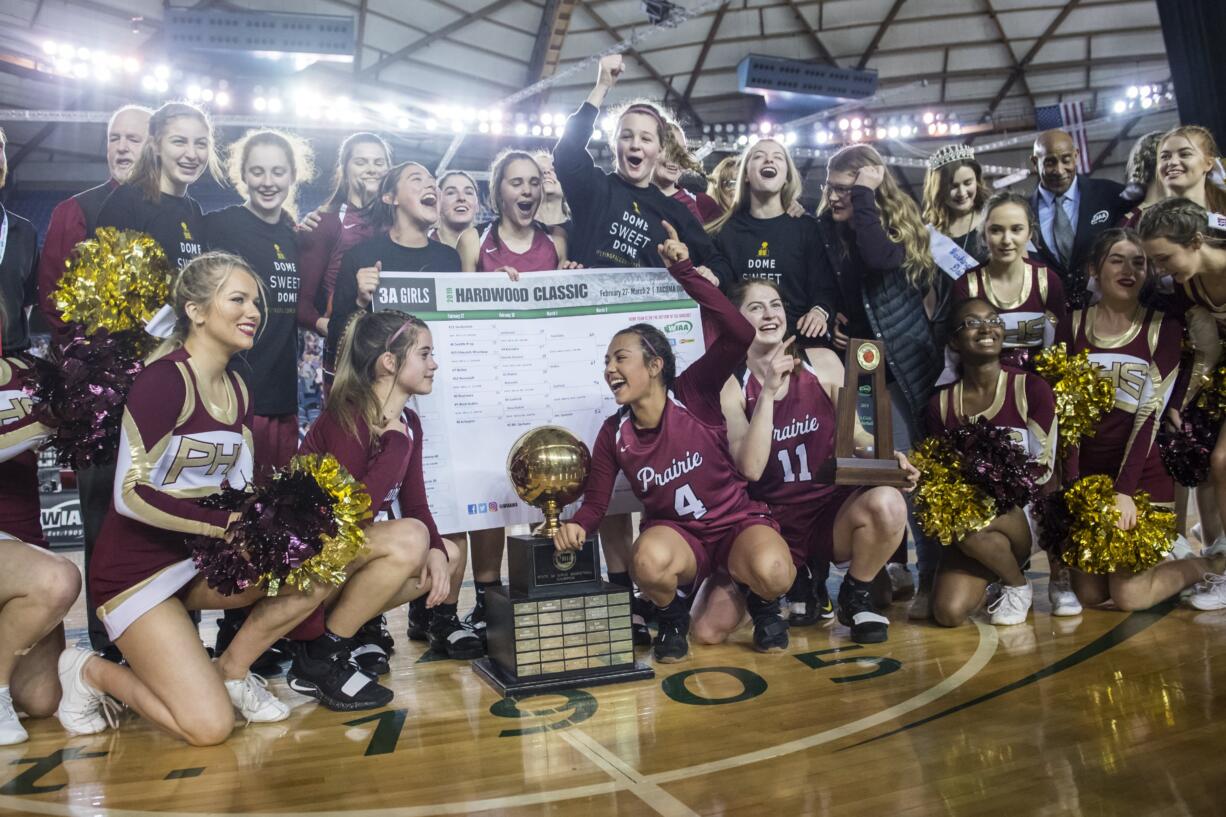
[1108, 713]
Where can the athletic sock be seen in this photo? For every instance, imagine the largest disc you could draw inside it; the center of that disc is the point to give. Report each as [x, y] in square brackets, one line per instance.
[621, 579]
[327, 645]
[855, 584]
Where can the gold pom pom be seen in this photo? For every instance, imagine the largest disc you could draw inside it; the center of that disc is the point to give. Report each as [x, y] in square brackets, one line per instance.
[1212, 396]
[947, 506]
[115, 282]
[1083, 395]
[1096, 545]
[350, 508]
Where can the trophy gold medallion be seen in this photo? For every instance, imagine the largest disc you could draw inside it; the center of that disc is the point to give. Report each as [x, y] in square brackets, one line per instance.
[557, 624]
[865, 388]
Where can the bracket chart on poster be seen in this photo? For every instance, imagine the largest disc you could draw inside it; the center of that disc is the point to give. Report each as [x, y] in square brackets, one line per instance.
[514, 355]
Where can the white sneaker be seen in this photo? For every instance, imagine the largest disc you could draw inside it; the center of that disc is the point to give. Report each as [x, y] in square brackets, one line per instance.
[1211, 593]
[1013, 604]
[1181, 548]
[11, 730]
[901, 581]
[1060, 592]
[251, 697]
[1217, 548]
[80, 711]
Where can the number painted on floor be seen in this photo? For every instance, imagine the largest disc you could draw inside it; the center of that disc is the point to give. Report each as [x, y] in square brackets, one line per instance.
[581, 706]
[885, 666]
[752, 685]
[388, 725]
[27, 781]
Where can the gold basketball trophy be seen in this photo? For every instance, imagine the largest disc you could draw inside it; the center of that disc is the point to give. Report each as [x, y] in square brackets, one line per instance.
[557, 625]
[865, 381]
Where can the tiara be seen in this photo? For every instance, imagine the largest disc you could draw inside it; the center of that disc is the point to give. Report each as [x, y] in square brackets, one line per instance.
[950, 153]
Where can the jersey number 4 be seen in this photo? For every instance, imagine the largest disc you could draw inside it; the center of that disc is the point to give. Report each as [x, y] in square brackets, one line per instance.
[802, 457]
[687, 503]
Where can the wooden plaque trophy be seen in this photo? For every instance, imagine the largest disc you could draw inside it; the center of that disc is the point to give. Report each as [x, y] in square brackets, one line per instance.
[558, 625]
[865, 385]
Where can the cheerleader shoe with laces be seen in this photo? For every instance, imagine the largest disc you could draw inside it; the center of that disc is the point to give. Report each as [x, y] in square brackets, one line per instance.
[254, 702]
[1210, 594]
[11, 730]
[1012, 606]
[81, 710]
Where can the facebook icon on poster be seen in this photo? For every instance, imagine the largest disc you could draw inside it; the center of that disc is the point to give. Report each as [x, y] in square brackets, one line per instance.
[472, 509]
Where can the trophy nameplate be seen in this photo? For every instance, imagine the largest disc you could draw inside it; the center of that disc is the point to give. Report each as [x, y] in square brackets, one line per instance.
[865, 378]
[557, 625]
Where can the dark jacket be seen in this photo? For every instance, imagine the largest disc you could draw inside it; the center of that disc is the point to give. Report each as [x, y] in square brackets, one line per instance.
[870, 278]
[1100, 208]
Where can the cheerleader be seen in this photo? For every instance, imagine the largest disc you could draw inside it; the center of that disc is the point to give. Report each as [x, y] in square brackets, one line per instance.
[75, 219]
[186, 432]
[457, 207]
[1187, 164]
[1023, 403]
[341, 224]
[1139, 349]
[781, 425]
[1027, 295]
[402, 216]
[953, 199]
[386, 359]
[154, 198]
[1141, 172]
[515, 241]
[617, 216]
[670, 442]
[878, 247]
[762, 239]
[37, 587]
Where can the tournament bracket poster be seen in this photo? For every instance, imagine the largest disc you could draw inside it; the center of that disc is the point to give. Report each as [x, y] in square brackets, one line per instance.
[514, 355]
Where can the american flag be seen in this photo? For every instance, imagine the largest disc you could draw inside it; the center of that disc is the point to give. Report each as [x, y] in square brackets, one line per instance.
[1070, 117]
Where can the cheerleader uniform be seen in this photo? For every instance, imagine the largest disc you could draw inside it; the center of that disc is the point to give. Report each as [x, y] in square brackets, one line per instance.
[1143, 364]
[271, 366]
[802, 442]
[320, 252]
[682, 470]
[494, 254]
[176, 223]
[20, 436]
[1031, 319]
[174, 449]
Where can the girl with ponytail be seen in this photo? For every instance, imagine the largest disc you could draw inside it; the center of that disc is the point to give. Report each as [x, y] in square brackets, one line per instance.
[386, 359]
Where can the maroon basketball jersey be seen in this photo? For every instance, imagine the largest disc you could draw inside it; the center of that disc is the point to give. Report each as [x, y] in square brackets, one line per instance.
[495, 254]
[1032, 317]
[803, 439]
[1024, 405]
[682, 470]
[20, 435]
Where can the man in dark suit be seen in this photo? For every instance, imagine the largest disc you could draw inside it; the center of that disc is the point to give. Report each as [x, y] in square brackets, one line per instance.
[1071, 211]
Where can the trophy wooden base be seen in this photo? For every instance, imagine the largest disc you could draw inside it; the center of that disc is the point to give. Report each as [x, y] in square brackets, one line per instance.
[506, 684]
[858, 471]
[557, 626]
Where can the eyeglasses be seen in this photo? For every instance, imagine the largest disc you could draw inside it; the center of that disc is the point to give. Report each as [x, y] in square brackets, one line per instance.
[841, 191]
[979, 323]
[728, 184]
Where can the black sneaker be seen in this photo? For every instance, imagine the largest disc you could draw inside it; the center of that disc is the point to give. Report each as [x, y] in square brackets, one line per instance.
[375, 632]
[475, 620]
[451, 638]
[336, 682]
[641, 611]
[371, 659]
[770, 631]
[672, 643]
[803, 608]
[419, 620]
[856, 611]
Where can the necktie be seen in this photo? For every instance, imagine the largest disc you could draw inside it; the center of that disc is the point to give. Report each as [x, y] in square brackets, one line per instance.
[1062, 230]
